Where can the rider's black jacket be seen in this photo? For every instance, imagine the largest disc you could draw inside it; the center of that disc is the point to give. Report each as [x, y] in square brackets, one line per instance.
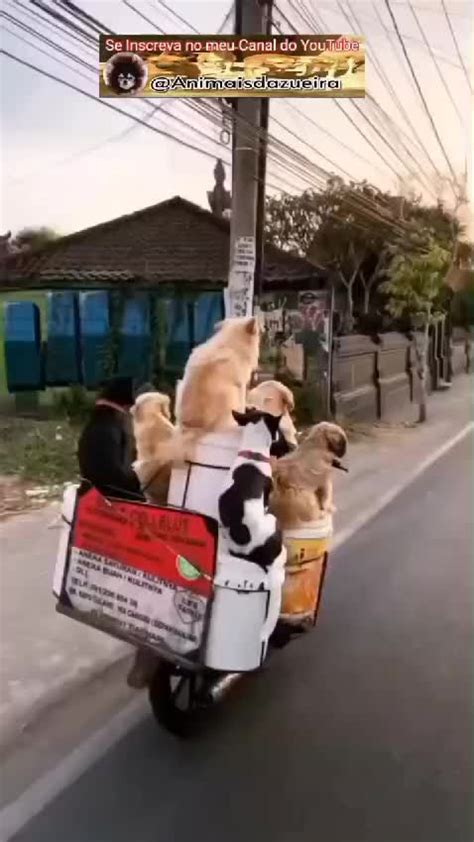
[106, 451]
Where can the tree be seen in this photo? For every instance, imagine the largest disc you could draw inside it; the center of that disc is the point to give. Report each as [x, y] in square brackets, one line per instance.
[372, 270]
[33, 238]
[292, 220]
[336, 229]
[338, 245]
[414, 289]
[352, 237]
[352, 229]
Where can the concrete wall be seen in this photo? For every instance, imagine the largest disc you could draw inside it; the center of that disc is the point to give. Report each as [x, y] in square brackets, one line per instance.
[377, 380]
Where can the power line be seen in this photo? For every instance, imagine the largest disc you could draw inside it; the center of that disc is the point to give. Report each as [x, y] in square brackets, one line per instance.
[60, 17]
[81, 153]
[321, 23]
[307, 21]
[45, 52]
[311, 23]
[284, 17]
[427, 8]
[334, 137]
[177, 15]
[227, 18]
[305, 142]
[440, 74]
[48, 24]
[372, 209]
[298, 163]
[187, 23]
[403, 66]
[422, 97]
[364, 136]
[143, 16]
[295, 168]
[386, 80]
[77, 12]
[104, 103]
[416, 41]
[140, 103]
[30, 31]
[131, 116]
[455, 41]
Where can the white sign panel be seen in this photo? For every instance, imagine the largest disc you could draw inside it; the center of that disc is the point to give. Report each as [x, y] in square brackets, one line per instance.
[239, 293]
[140, 603]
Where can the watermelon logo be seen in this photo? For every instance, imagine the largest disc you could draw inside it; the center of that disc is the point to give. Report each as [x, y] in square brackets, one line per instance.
[186, 569]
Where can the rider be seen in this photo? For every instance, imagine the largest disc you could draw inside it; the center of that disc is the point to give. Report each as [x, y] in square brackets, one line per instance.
[106, 447]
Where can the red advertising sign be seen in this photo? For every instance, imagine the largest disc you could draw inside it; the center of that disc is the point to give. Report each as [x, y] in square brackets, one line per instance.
[145, 571]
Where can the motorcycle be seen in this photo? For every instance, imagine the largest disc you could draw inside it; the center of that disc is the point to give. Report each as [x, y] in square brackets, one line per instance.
[154, 577]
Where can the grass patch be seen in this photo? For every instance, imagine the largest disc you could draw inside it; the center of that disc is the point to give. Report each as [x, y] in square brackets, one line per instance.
[42, 452]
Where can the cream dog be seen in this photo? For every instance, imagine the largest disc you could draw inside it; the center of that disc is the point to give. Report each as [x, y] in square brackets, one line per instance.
[302, 490]
[151, 414]
[214, 385]
[275, 398]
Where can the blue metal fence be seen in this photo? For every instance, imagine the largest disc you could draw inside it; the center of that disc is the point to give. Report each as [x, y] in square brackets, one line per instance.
[71, 345]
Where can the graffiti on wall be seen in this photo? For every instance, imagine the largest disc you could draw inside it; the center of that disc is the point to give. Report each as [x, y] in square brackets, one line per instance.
[296, 332]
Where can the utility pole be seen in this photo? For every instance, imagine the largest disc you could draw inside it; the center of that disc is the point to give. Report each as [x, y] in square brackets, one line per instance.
[250, 19]
[261, 174]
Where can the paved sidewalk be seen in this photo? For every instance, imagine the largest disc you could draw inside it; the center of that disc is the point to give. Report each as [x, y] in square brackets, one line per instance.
[388, 455]
[44, 655]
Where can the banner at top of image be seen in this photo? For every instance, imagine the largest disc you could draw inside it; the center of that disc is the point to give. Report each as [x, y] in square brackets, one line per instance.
[232, 65]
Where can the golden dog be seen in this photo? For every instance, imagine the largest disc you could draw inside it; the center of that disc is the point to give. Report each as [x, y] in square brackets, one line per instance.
[214, 385]
[216, 376]
[152, 426]
[302, 482]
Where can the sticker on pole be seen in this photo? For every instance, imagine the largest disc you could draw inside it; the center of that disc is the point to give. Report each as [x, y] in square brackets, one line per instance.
[141, 572]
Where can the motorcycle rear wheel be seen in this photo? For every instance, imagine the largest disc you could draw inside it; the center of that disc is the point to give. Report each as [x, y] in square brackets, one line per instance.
[177, 698]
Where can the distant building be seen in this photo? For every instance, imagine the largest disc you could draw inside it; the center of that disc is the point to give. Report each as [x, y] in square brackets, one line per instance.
[174, 242]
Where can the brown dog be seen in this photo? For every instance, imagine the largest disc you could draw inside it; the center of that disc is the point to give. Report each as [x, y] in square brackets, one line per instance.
[302, 483]
[275, 398]
[152, 426]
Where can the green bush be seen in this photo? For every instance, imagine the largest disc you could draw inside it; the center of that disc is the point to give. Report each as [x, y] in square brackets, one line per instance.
[73, 403]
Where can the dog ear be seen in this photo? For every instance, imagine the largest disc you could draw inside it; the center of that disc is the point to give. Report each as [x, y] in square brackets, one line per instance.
[240, 417]
[252, 326]
[273, 422]
[166, 406]
[288, 398]
[337, 443]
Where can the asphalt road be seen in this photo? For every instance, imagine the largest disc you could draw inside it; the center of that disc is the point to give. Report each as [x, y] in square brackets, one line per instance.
[360, 732]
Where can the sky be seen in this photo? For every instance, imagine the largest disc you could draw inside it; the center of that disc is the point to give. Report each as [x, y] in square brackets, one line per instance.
[69, 162]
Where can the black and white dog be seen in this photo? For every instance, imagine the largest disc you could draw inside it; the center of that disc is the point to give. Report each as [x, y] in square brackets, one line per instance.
[250, 531]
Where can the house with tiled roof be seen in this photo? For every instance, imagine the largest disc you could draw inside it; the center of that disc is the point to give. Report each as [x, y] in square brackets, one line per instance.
[168, 264]
[174, 242]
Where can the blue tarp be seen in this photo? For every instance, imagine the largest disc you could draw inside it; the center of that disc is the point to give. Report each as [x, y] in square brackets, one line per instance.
[63, 351]
[95, 330]
[23, 346]
[134, 357]
[208, 310]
